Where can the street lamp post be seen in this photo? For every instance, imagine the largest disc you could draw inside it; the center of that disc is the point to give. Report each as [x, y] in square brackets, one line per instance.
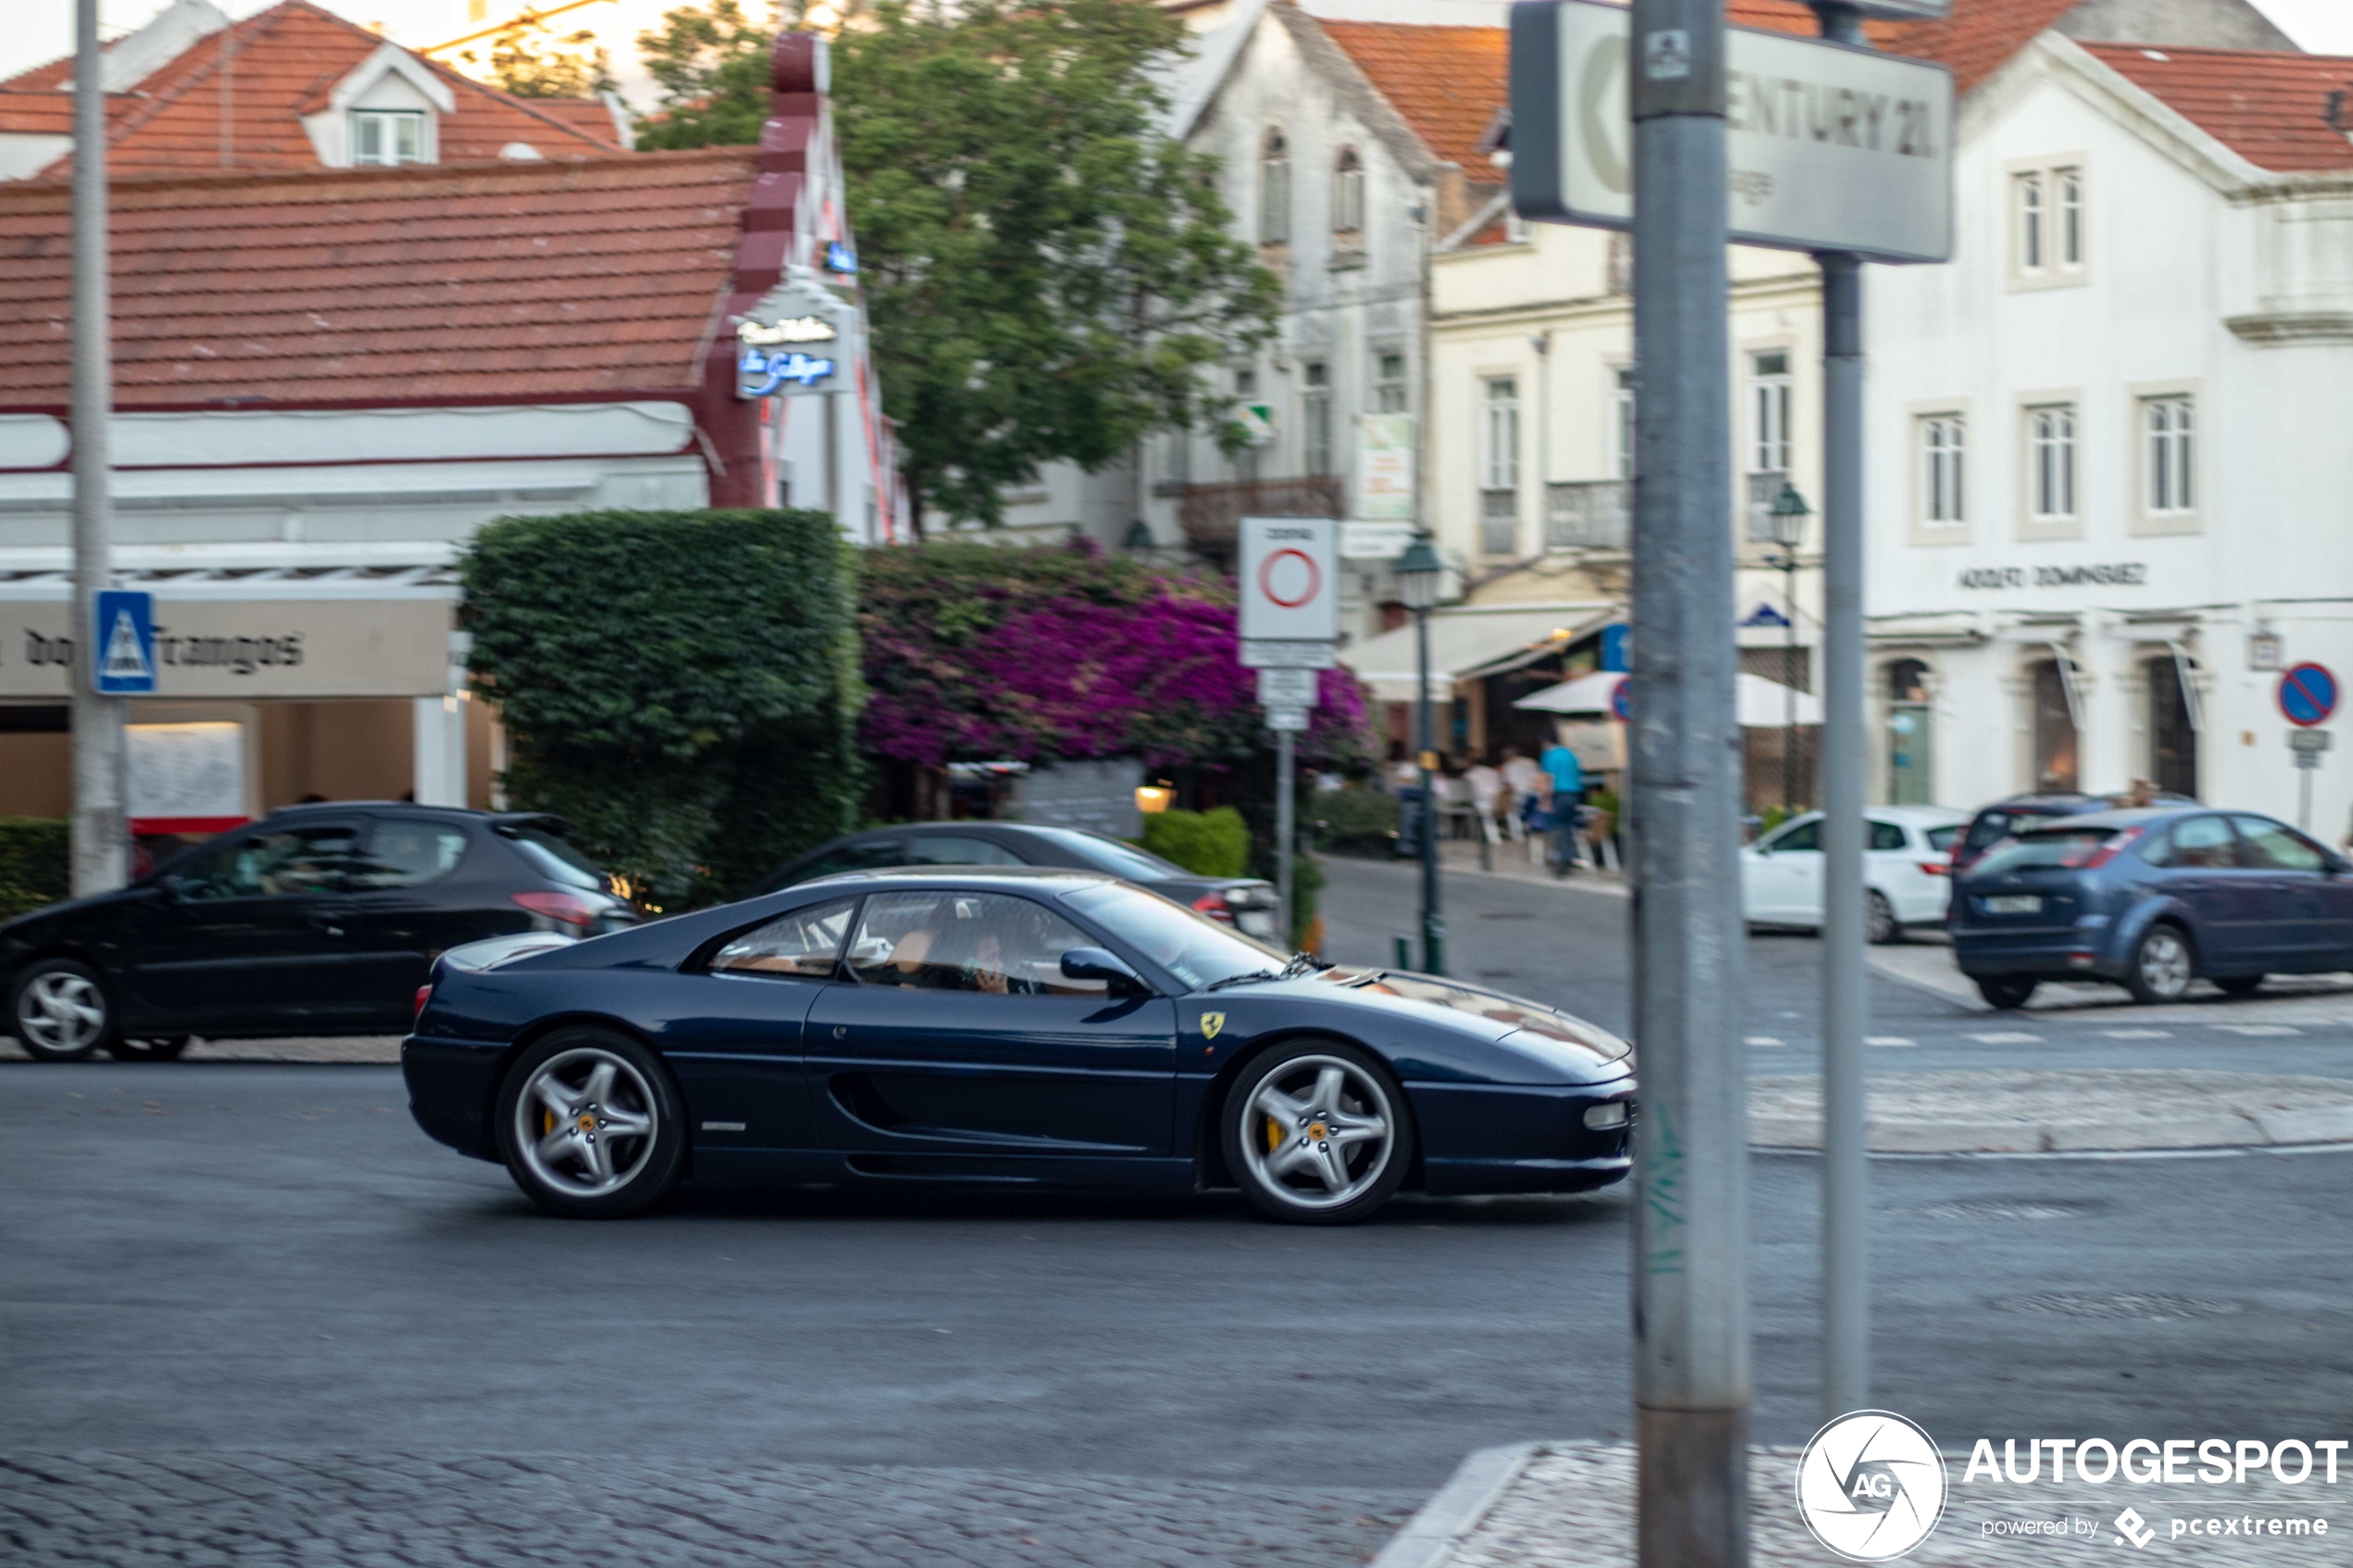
[1790, 513]
[1418, 573]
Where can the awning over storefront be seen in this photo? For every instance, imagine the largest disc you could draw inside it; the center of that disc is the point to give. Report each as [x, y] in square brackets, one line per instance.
[1763, 704]
[1470, 641]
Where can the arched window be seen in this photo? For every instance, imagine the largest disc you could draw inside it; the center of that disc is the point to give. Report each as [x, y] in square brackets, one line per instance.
[1348, 193]
[1274, 189]
[1911, 735]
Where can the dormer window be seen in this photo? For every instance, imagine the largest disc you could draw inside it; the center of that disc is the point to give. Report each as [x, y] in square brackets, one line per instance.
[389, 136]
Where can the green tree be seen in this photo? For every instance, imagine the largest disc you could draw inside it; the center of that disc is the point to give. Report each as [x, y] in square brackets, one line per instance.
[1047, 272]
[523, 63]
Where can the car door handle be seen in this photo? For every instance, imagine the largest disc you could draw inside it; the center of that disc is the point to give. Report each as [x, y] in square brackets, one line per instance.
[842, 1031]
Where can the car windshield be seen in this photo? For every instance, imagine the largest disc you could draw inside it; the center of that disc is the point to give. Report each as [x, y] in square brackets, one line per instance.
[556, 860]
[2050, 850]
[1192, 946]
[1941, 839]
[1110, 855]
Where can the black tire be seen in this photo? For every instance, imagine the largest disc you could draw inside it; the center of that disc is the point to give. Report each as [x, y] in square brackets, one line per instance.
[2005, 991]
[562, 1174]
[1291, 1178]
[167, 1049]
[2164, 962]
[2239, 984]
[1880, 924]
[48, 1006]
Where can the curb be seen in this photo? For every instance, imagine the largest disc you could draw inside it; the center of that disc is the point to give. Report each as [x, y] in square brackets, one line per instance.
[2224, 1130]
[1429, 1537]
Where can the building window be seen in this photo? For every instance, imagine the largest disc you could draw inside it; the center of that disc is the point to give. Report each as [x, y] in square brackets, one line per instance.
[1389, 383]
[2051, 464]
[1621, 422]
[1768, 407]
[2054, 744]
[1499, 466]
[2172, 459]
[2172, 735]
[1911, 734]
[2031, 222]
[1246, 394]
[1348, 193]
[387, 136]
[2068, 184]
[1315, 420]
[1274, 190]
[1943, 493]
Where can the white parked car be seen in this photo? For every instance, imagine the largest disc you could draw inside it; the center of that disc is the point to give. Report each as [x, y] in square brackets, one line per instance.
[1906, 870]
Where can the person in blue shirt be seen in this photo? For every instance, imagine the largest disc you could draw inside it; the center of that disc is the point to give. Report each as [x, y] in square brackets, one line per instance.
[1568, 793]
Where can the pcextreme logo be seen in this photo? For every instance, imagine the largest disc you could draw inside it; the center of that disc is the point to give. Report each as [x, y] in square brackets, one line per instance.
[1870, 1485]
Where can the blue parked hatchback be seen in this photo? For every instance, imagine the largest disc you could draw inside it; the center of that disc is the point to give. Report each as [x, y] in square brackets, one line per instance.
[2152, 899]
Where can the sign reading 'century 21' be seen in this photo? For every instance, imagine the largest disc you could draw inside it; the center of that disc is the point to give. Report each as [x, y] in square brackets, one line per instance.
[1828, 147]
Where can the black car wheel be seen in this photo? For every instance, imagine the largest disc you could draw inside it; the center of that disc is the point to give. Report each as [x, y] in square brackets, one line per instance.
[2163, 965]
[59, 1011]
[1880, 923]
[1318, 1133]
[2239, 984]
[590, 1125]
[165, 1049]
[2004, 991]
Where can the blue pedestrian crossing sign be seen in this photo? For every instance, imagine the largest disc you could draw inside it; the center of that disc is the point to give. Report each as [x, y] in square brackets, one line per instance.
[125, 625]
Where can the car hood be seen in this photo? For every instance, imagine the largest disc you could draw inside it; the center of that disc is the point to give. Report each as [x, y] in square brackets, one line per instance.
[1498, 1016]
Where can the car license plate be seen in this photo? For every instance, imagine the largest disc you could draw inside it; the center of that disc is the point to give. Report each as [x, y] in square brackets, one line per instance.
[2014, 904]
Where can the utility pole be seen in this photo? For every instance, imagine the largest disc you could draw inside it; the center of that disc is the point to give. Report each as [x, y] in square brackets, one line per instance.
[1286, 831]
[1847, 1297]
[100, 852]
[1691, 1228]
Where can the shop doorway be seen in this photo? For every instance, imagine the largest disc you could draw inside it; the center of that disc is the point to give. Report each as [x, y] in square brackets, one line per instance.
[1911, 736]
[2056, 748]
[2172, 736]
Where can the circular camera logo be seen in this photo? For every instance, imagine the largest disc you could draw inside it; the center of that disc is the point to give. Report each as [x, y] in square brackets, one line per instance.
[1870, 1485]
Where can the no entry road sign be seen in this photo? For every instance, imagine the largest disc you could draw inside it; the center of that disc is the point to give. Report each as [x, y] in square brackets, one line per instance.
[2307, 695]
[1621, 699]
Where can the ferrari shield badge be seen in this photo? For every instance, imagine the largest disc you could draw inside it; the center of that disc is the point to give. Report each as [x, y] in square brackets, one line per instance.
[1210, 1023]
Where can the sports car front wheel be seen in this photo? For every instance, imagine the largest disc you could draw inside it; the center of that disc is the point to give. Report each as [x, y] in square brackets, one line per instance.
[1318, 1133]
[590, 1125]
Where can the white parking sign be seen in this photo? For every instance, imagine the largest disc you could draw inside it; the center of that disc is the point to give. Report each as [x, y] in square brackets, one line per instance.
[1289, 579]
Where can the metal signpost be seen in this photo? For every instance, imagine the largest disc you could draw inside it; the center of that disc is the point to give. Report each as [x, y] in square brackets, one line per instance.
[2307, 696]
[1814, 144]
[1290, 630]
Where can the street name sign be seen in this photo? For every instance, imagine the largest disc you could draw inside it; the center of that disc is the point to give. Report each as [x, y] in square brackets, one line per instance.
[1828, 146]
[123, 623]
[1289, 590]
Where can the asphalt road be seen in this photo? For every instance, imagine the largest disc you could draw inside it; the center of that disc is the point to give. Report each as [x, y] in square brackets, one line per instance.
[235, 1287]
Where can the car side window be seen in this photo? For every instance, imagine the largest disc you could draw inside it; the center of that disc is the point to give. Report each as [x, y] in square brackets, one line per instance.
[948, 849]
[409, 853]
[1804, 835]
[1889, 835]
[859, 854]
[806, 943]
[988, 943]
[2199, 844]
[314, 858]
[2272, 848]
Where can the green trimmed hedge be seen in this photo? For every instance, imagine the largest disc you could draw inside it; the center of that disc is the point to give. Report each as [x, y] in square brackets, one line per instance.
[1211, 843]
[35, 869]
[683, 686]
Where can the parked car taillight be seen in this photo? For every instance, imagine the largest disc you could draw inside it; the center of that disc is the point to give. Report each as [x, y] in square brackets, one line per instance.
[424, 994]
[565, 907]
[1214, 904]
[1937, 868]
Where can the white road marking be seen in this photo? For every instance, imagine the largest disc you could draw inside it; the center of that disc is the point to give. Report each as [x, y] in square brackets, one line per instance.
[2138, 1034]
[1888, 1040]
[2263, 1030]
[1767, 1040]
[2007, 1039]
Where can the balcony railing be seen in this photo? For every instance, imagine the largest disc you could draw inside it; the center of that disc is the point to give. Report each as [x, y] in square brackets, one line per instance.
[1211, 514]
[1593, 514]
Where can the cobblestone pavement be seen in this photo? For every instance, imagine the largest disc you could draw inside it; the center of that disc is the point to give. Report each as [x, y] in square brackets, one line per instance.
[376, 1048]
[1573, 1506]
[406, 1510]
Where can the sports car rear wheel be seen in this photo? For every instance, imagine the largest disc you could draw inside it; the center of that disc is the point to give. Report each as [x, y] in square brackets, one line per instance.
[1317, 1134]
[590, 1125]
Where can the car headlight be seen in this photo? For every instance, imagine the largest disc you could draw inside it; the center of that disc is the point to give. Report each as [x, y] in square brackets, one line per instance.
[1607, 1117]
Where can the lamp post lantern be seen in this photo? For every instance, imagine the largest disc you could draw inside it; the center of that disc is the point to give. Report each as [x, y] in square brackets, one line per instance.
[1790, 512]
[1419, 574]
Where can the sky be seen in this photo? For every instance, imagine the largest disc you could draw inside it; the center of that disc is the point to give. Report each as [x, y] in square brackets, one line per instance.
[40, 30]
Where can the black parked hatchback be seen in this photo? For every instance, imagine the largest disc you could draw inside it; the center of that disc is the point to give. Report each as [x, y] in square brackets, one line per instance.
[1245, 903]
[315, 919]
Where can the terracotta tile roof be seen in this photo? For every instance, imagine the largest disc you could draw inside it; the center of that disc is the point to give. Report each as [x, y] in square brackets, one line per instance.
[2269, 108]
[1445, 81]
[1978, 39]
[492, 282]
[35, 113]
[284, 62]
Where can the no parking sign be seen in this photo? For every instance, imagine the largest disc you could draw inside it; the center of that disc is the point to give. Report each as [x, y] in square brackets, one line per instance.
[2307, 695]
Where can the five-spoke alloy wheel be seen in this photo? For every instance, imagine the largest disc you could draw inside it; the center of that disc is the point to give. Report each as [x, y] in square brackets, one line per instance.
[1318, 1133]
[590, 1127]
[58, 1008]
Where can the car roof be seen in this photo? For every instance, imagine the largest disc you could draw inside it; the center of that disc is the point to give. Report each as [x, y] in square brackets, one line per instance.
[461, 813]
[2133, 816]
[1925, 816]
[958, 876]
[974, 824]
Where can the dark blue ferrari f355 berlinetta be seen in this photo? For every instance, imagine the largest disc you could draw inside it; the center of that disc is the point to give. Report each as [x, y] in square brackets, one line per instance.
[998, 1025]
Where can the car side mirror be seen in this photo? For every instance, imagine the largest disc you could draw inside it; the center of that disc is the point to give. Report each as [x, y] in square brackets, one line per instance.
[1098, 963]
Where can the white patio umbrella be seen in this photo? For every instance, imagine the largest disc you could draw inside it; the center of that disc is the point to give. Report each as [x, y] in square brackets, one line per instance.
[1761, 704]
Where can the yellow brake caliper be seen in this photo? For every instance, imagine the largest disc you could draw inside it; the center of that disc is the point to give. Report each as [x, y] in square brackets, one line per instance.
[1273, 1135]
